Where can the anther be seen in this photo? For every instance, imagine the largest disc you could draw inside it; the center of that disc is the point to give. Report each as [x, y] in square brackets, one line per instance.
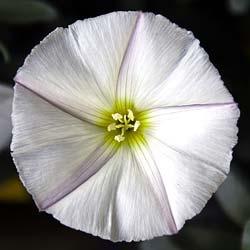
[124, 123]
[119, 138]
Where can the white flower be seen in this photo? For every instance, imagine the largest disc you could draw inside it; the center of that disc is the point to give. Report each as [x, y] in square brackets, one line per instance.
[122, 126]
[6, 97]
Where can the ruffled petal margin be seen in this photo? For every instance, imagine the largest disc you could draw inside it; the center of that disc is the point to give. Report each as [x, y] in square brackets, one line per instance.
[118, 203]
[164, 65]
[154, 184]
[192, 149]
[76, 68]
[54, 152]
[151, 185]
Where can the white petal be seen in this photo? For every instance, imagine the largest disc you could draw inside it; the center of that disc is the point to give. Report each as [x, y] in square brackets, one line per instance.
[6, 96]
[192, 147]
[117, 203]
[77, 68]
[164, 65]
[54, 152]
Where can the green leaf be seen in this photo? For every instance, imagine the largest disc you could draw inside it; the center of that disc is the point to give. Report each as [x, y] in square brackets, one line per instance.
[160, 243]
[4, 52]
[207, 238]
[239, 7]
[246, 237]
[234, 197]
[26, 11]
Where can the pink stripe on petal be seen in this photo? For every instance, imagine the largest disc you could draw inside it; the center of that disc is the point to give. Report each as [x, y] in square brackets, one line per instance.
[145, 160]
[121, 91]
[156, 111]
[199, 105]
[90, 117]
[91, 165]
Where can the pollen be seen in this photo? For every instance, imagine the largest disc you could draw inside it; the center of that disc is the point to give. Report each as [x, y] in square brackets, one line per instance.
[123, 123]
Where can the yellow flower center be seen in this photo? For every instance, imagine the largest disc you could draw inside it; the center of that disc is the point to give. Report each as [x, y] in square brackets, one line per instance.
[123, 123]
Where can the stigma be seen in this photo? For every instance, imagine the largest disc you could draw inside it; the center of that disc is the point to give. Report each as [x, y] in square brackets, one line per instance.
[123, 123]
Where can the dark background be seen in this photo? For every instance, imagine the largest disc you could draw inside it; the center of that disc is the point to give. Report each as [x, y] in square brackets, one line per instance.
[223, 28]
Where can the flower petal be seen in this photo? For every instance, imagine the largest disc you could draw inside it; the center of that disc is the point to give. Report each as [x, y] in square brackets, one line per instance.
[117, 203]
[168, 64]
[54, 152]
[152, 190]
[76, 68]
[192, 147]
[6, 96]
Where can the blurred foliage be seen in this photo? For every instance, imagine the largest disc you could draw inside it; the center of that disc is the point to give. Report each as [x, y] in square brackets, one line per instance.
[207, 238]
[12, 190]
[239, 7]
[246, 237]
[234, 197]
[159, 243]
[4, 52]
[26, 11]
[21, 12]
[195, 237]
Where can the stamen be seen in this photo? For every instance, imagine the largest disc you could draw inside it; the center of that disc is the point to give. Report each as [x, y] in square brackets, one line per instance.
[136, 125]
[117, 116]
[119, 138]
[130, 115]
[124, 123]
[111, 127]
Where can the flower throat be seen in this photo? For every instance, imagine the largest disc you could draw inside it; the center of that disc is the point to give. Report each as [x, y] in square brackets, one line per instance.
[123, 123]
